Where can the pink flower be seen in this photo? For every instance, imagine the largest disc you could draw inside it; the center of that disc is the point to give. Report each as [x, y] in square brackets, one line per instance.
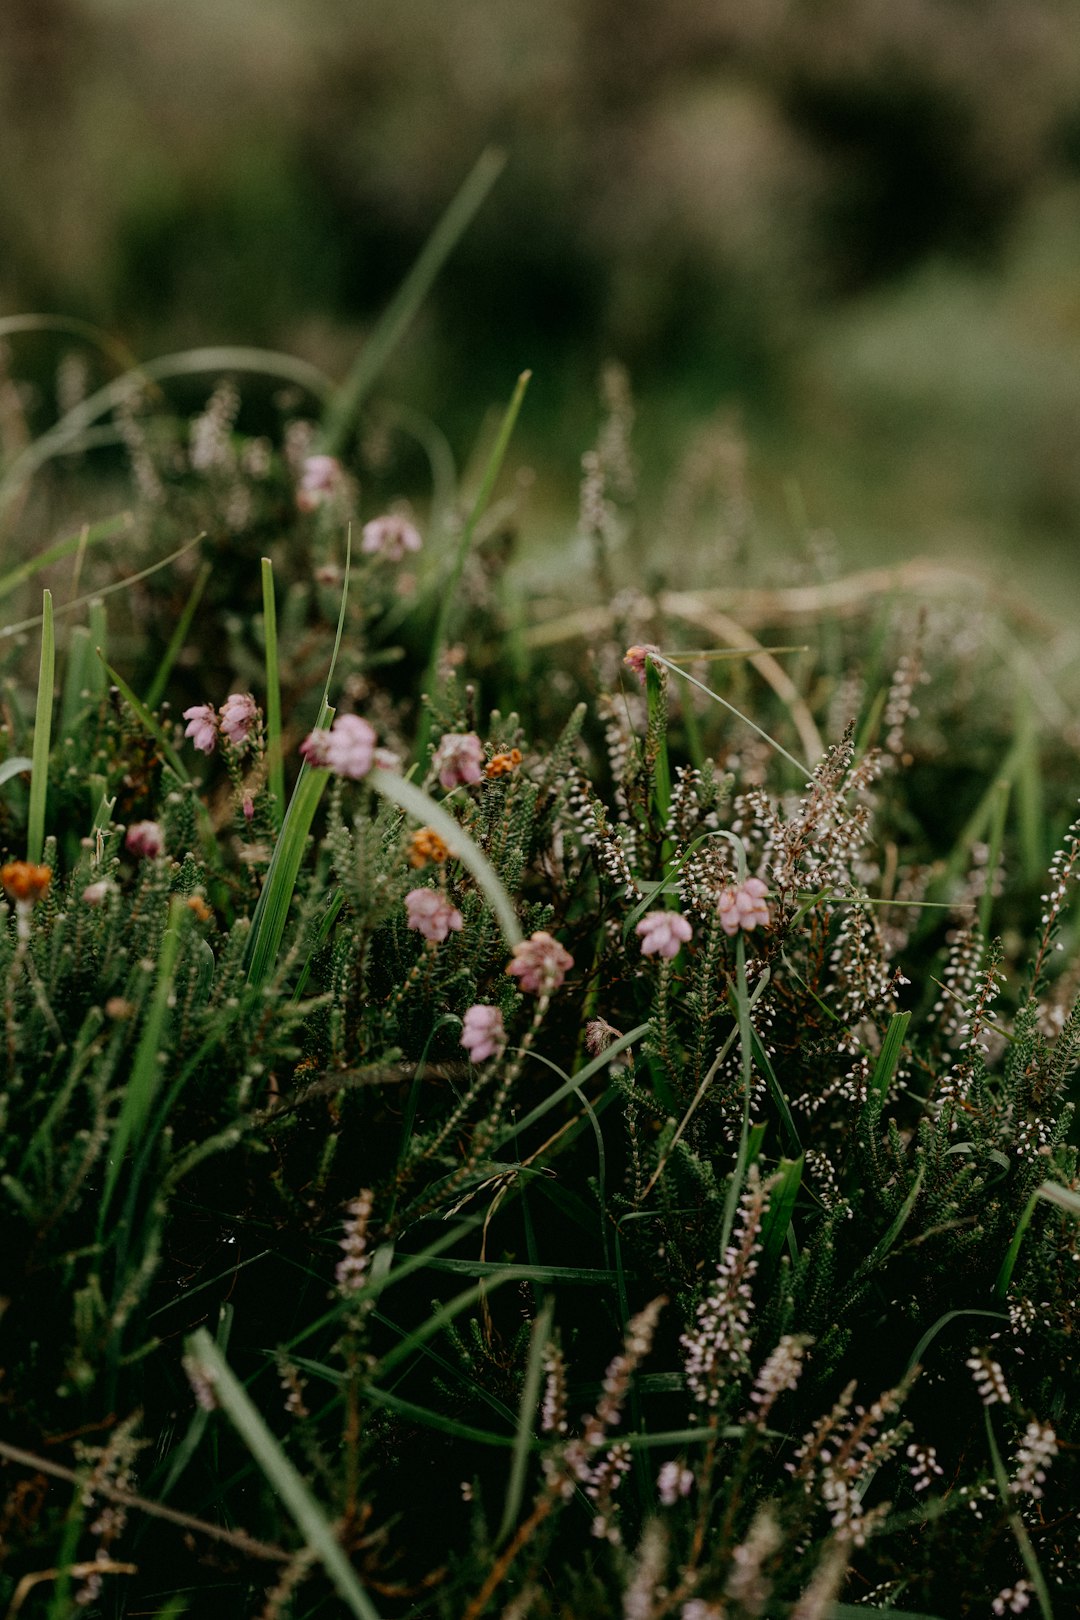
[238, 713]
[599, 1035]
[95, 894]
[347, 749]
[744, 906]
[144, 838]
[662, 933]
[390, 536]
[635, 658]
[248, 807]
[459, 758]
[432, 914]
[482, 1032]
[540, 963]
[386, 759]
[321, 480]
[202, 727]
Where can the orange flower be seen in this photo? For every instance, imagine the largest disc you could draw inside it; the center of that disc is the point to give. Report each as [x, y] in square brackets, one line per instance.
[199, 906]
[22, 881]
[502, 764]
[426, 846]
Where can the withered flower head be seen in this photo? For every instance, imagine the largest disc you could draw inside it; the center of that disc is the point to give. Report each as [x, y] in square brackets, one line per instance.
[23, 882]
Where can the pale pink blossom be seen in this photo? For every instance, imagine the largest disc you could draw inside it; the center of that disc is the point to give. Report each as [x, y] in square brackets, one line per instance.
[347, 749]
[202, 727]
[248, 807]
[635, 658]
[95, 894]
[743, 906]
[238, 713]
[482, 1032]
[321, 479]
[386, 759]
[662, 933]
[673, 1481]
[390, 536]
[540, 964]
[432, 914]
[459, 759]
[599, 1035]
[144, 838]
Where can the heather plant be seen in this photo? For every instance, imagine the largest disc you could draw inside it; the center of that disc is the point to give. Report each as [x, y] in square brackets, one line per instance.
[507, 1114]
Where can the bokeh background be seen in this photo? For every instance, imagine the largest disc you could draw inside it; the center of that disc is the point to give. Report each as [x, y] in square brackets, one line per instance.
[848, 230]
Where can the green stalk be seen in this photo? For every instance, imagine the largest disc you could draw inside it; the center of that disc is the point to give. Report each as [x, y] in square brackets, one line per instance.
[449, 590]
[342, 411]
[275, 759]
[39, 777]
[178, 638]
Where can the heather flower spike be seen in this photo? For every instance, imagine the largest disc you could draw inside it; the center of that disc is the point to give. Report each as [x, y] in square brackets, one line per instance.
[145, 839]
[391, 536]
[432, 915]
[202, 727]
[459, 760]
[636, 656]
[540, 964]
[347, 749]
[482, 1033]
[322, 478]
[743, 906]
[238, 714]
[663, 933]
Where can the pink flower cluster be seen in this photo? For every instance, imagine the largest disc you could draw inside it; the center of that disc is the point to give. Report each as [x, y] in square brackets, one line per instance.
[459, 759]
[347, 749]
[636, 656]
[662, 933]
[144, 839]
[482, 1033]
[431, 914]
[390, 536]
[743, 906]
[321, 479]
[234, 720]
[540, 964]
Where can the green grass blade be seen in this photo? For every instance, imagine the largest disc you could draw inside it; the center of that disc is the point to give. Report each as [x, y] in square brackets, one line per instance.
[14, 767]
[1052, 1194]
[108, 590]
[804, 770]
[275, 761]
[147, 721]
[76, 678]
[935, 1328]
[523, 1439]
[1002, 791]
[412, 799]
[178, 638]
[107, 529]
[572, 1085]
[341, 414]
[272, 910]
[779, 1210]
[39, 778]
[738, 1175]
[436, 1420]
[889, 1056]
[449, 590]
[1016, 1523]
[308, 1515]
[146, 1069]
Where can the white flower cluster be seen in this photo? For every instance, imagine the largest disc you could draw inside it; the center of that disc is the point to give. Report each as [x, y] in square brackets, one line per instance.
[989, 1379]
[1034, 1455]
[719, 1343]
[352, 1268]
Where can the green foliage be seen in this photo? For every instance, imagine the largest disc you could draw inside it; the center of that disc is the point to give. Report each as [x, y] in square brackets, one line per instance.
[778, 1207]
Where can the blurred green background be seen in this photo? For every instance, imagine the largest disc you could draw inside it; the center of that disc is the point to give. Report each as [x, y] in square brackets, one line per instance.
[850, 226]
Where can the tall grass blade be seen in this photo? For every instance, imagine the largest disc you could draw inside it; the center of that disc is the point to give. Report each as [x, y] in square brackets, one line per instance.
[308, 1515]
[523, 1440]
[450, 587]
[344, 406]
[272, 910]
[804, 770]
[145, 1074]
[15, 767]
[39, 777]
[107, 529]
[178, 638]
[107, 590]
[407, 796]
[275, 761]
[148, 721]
